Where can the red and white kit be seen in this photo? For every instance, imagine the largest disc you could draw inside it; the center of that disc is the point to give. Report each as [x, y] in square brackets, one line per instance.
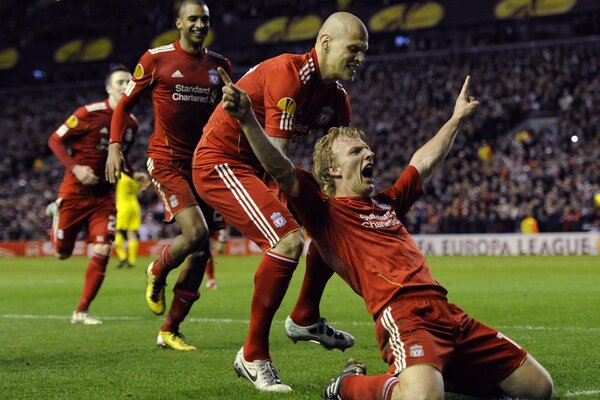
[185, 90]
[290, 100]
[83, 140]
[374, 253]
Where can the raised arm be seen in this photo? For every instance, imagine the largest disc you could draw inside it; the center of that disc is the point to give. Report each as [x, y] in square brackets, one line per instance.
[435, 150]
[237, 104]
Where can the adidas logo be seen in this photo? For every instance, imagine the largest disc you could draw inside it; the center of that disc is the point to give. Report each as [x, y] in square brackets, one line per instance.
[177, 74]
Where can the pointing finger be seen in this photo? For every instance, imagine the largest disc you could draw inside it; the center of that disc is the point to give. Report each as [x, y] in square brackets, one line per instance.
[465, 87]
[224, 76]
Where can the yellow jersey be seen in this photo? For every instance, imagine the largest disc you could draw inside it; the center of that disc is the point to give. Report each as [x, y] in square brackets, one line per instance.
[129, 214]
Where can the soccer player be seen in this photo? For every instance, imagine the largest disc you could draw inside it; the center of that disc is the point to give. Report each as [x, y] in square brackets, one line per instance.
[431, 346]
[186, 87]
[85, 198]
[129, 217]
[292, 95]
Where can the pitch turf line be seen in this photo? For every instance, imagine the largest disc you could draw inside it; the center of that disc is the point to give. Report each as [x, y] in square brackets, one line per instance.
[576, 393]
[245, 321]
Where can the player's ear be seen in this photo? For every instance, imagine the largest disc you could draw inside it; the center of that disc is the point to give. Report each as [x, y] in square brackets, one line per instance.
[179, 23]
[325, 42]
[334, 171]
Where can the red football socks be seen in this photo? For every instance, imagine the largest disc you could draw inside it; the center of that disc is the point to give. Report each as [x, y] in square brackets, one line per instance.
[364, 387]
[164, 264]
[271, 281]
[306, 311]
[94, 275]
[180, 307]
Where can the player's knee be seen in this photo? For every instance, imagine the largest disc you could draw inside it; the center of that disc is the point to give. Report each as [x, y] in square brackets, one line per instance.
[530, 380]
[291, 245]
[417, 393]
[546, 389]
[542, 388]
[102, 249]
[195, 236]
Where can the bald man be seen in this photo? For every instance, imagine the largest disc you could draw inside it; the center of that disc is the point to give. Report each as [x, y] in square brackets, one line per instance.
[292, 95]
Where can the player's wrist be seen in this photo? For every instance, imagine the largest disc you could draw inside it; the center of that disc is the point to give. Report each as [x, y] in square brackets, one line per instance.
[114, 145]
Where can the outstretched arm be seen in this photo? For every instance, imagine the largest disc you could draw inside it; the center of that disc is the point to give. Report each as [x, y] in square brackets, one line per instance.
[237, 104]
[435, 150]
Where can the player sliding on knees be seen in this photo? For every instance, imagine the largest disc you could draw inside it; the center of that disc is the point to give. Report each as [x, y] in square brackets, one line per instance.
[431, 346]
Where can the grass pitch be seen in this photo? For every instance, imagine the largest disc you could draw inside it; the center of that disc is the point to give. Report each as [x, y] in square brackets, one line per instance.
[550, 305]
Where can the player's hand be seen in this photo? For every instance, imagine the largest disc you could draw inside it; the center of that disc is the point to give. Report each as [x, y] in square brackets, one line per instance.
[235, 100]
[85, 174]
[142, 179]
[114, 163]
[465, 105]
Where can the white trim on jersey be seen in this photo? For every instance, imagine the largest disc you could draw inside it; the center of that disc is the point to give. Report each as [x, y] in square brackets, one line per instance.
[150, 165]
[281, 258]
[387, 386]
[243, 197]
[306, 70]
[396, 342]
[62, 130]
[157, 185]
[162, 49]
[129, 88]
[163, 196]
[286, 123]
[96, 106]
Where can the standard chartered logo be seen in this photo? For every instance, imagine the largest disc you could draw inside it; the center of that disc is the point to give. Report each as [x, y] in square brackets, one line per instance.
[191, 93]
[380, 221]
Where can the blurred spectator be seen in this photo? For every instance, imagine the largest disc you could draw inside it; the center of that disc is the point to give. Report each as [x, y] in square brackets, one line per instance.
[549, 167]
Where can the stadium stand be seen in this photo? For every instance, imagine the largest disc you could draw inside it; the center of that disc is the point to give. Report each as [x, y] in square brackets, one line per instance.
[532, 148]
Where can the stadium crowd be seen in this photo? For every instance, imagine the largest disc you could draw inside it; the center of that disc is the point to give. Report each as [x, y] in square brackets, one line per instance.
[499, 170]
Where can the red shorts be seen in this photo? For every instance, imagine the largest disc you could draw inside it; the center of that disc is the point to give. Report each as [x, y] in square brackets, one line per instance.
[172, 181]
[97, 212]
[244, 200]
[472, 357]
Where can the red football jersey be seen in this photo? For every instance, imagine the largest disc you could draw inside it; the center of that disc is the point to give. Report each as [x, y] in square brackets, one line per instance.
[364, 241]
[289, 99]
[185, 90]
[86, 133]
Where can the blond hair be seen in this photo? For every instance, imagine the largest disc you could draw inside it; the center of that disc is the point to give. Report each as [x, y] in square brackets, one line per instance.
[323, 156]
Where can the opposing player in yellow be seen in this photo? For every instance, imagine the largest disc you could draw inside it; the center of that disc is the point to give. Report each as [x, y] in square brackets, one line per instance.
[129, 217]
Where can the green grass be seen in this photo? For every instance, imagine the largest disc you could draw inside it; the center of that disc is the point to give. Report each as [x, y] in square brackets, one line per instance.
[550, 305]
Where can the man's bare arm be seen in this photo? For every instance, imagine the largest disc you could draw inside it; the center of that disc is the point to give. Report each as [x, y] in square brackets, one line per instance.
[237, 103]
[435, 150]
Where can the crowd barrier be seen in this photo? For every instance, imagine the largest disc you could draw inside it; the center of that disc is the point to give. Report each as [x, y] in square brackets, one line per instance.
[550, 244]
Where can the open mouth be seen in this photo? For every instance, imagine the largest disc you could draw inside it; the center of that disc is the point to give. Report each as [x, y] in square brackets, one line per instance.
[353, 68]
[367, 171]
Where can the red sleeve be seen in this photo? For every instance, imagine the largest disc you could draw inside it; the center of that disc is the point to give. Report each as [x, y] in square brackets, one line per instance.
[281, 90]
[59, 149]
[311, 203]
[143, 77]
[76, 124]
[405, 191]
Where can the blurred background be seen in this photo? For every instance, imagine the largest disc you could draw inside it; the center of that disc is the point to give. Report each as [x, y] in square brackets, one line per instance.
[531, 150]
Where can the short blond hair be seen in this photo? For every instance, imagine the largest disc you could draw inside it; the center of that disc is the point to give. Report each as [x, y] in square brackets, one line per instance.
[323, 157]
